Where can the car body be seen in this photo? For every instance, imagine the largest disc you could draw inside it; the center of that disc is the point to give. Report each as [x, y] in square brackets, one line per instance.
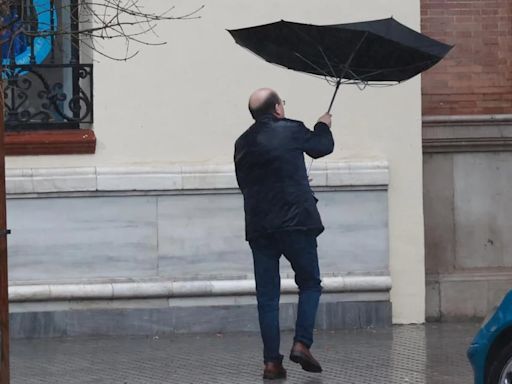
[490, 353]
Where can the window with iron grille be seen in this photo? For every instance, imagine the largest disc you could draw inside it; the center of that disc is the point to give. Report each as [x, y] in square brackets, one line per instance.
[47, 82]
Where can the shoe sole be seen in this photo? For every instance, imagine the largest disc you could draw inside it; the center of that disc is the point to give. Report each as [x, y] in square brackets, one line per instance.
[274, 377]
[305, 363]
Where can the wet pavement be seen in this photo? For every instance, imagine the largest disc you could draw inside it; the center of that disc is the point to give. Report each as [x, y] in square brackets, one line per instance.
[433, 354]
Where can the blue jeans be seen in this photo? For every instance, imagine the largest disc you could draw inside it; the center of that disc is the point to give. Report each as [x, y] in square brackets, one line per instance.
[299, 247]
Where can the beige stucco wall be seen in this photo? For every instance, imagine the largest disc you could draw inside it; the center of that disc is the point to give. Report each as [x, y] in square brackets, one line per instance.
[186, 102]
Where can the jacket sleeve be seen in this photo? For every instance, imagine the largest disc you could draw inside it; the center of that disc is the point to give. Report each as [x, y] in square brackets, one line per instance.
[235, 161]
[319, 142]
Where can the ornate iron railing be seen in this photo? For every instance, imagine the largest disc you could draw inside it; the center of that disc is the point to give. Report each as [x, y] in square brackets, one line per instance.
[47, 96]
[45, 85]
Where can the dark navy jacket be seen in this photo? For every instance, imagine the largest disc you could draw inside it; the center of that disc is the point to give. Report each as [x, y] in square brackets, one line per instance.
[271, 173]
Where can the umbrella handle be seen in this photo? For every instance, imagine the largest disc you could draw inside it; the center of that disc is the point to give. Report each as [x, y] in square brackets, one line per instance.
[338, 83]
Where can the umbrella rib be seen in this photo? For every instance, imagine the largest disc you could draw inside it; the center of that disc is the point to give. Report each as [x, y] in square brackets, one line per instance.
[347, 68]
[310, 63]
[361, 78]
[327, 61]
[320, 48]
[329, 80]
[354, 75]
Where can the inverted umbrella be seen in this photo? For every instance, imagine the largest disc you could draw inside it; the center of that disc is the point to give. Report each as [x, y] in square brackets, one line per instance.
[364, 53]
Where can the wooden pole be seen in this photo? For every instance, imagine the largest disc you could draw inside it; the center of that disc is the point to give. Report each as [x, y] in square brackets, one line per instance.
[4, 283]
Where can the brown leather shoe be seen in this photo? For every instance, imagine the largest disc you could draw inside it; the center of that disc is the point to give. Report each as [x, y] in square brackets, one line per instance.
[274, 371]
[300, 354]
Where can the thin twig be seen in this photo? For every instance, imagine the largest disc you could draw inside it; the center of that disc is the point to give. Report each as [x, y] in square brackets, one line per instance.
[99, 20]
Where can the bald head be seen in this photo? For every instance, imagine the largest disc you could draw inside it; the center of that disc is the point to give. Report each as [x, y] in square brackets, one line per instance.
[259, 96]
[264, 101]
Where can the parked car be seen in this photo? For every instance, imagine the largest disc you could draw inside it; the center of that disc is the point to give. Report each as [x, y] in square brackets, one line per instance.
[490, 353]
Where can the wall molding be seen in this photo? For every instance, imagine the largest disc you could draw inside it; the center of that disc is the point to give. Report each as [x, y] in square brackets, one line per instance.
[466, 119]
[475, 275]
[471, 133]
[178, 178]
[55, 142]
[167, 289]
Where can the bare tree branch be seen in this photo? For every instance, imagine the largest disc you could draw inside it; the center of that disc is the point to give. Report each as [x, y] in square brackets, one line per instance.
[127, 20]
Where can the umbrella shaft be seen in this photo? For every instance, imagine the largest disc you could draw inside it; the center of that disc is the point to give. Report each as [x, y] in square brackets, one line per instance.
[334, 96]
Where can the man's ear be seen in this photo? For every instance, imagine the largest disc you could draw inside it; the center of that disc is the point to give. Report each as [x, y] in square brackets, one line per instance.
[276, 112]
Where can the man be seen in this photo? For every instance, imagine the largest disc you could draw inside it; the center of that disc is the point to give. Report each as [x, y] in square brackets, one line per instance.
[281, 218]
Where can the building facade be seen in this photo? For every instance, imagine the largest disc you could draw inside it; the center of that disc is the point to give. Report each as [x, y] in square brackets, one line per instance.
[146, 233]
[467, 128]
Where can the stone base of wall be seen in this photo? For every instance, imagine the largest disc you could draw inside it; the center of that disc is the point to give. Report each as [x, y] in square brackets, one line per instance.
[465, 296]
[218, 314]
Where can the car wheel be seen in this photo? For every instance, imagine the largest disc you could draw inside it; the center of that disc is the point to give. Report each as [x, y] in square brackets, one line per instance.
[501, 369]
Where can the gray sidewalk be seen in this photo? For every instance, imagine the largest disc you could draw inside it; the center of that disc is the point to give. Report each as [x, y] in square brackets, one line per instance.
[433, 354]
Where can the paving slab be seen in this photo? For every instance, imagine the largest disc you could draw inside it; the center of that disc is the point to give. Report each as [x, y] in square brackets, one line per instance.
[432, 353]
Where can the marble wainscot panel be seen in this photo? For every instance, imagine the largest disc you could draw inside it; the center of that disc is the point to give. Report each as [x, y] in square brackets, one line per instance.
[203, 236]
[59, 239]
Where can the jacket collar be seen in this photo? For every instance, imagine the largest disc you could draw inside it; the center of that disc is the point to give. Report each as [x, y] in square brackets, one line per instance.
[267, 117]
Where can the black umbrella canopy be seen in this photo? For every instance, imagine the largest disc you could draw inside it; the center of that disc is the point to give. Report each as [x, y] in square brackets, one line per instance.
[370, 51]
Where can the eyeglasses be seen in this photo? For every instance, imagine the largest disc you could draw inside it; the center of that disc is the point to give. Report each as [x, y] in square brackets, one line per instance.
[283, 102]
